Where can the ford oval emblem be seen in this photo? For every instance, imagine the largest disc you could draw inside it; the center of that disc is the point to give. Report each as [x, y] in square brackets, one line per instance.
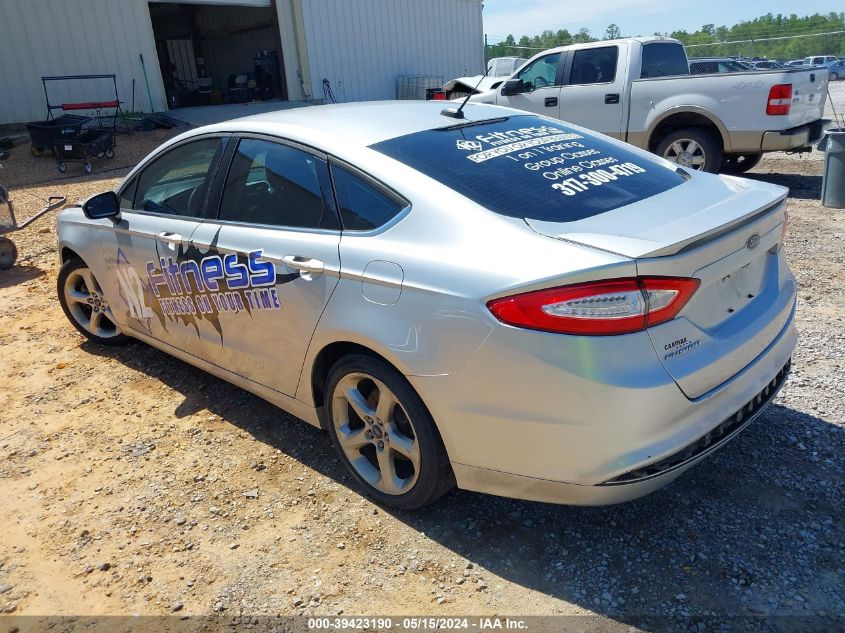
[753, 241]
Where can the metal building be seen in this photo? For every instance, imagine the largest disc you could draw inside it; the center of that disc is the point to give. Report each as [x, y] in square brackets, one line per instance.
[199, 52]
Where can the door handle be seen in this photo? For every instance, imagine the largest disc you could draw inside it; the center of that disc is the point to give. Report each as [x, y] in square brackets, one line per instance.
[551, 102]
[612, 97]
[304, 265]
[167, 236]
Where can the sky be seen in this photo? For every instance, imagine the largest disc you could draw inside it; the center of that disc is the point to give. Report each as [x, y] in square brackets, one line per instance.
[634, 17]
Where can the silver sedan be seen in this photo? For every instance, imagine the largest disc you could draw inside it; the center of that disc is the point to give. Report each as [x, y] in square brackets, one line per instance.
[488, 299]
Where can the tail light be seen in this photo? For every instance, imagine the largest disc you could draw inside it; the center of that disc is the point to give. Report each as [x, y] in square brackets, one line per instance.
[613, 306]
[780, 100]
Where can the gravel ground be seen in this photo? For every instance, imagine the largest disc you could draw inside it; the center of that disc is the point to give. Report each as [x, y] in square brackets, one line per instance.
[136, 484]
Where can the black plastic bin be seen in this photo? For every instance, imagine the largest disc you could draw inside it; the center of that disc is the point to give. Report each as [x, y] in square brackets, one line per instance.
[44, 134]
[81, 148]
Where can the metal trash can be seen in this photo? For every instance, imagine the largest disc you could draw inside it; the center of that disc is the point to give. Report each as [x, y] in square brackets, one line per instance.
[833, 182]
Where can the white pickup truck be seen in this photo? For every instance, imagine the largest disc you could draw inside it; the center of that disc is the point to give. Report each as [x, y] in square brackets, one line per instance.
[639, 90]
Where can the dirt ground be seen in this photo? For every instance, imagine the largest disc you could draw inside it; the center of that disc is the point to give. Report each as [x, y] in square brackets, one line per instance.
[133, 483]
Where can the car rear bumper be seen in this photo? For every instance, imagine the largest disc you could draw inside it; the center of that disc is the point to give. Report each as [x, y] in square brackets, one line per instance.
[604, 429]
[795, 138]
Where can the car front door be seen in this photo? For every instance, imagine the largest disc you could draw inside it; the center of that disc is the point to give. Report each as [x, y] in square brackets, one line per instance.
[269, 261]
[160, 209]
[593, 92]
[541, 87]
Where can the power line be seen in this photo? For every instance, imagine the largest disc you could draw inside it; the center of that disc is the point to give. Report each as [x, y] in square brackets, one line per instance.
[765, 39]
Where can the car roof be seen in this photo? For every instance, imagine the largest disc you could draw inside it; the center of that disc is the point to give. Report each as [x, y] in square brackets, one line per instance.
[360, 124]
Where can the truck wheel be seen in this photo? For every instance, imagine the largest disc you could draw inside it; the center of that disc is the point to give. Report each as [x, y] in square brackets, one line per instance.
[739, 163]
[691, 147]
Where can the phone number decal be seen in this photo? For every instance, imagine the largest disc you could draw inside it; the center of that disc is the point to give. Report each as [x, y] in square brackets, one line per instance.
[596, 178]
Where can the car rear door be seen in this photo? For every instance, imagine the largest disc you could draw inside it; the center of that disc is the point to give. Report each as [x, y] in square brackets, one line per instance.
[160, 209]
[541, 81]
[269, 260]
[593, 91]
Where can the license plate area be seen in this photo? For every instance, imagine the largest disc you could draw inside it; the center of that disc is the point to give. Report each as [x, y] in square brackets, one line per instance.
[737, 289]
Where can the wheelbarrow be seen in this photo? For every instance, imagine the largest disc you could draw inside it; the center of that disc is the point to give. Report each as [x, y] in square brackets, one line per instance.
[9, 223]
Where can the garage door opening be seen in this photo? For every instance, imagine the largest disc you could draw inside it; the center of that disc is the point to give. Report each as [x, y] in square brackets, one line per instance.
[214, 54]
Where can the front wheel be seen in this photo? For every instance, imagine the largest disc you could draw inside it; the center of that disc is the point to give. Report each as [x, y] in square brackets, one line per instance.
[385, 435]
[693, 148]
[740, 163]
[85, 305]
[833, 77]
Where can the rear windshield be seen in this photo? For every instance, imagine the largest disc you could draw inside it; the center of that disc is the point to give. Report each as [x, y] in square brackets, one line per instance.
[531, 167]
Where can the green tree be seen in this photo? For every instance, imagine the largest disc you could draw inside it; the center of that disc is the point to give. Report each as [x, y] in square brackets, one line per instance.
[612, 32]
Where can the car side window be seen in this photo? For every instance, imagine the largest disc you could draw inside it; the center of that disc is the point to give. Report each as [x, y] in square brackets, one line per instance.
[127, 196]
[363, 206]
[277, 185]
[541, 73]
[594, 65]
[176, 183]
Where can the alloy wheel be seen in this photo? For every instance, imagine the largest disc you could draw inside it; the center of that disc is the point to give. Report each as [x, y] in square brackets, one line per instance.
[87, 304]
[376, 433]
[686, 152]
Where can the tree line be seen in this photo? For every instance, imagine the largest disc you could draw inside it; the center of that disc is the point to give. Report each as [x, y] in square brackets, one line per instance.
[769, 36]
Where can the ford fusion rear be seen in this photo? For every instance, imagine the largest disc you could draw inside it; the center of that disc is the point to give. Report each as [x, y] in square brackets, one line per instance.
[503, 302]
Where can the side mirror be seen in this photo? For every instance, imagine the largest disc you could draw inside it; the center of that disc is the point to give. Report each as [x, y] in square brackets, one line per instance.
[103, 205]
[513, 87]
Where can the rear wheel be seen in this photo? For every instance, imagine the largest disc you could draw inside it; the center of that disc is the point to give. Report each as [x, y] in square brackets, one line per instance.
[8, 253]
[62, 166]
[385, 435]
[693, 148]
[85, 306]
[833, 77]
[740, 163]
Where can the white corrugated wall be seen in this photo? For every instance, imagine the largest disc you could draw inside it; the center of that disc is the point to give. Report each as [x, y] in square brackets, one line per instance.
[74, 37]
[362, 46]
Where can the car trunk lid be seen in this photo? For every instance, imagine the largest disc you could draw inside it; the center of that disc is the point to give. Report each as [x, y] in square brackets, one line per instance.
[727, 235]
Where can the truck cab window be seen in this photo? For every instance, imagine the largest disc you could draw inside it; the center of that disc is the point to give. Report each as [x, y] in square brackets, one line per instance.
[664, 59]
[594, 65]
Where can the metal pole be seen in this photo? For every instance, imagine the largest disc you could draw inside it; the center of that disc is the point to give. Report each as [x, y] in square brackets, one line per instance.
[147, 81]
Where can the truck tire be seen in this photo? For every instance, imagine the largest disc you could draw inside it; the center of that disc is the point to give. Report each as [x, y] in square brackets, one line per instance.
[692, 147]
[740, 163]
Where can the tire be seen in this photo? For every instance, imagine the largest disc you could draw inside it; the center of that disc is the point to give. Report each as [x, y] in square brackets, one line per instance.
[833, 77]
[693, 148]
[740, 163]
[8, 253]
[62, 166]
[401, 437]
[88, 168]
[83, 303]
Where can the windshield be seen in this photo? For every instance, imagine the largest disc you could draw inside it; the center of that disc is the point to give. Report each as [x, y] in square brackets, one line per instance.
[531, 167]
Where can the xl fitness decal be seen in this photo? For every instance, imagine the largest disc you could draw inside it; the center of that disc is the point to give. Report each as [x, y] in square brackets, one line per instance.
[195, 286]
[215, 283]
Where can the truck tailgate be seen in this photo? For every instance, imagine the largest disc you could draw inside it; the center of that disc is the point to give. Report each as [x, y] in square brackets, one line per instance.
[809, 92]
